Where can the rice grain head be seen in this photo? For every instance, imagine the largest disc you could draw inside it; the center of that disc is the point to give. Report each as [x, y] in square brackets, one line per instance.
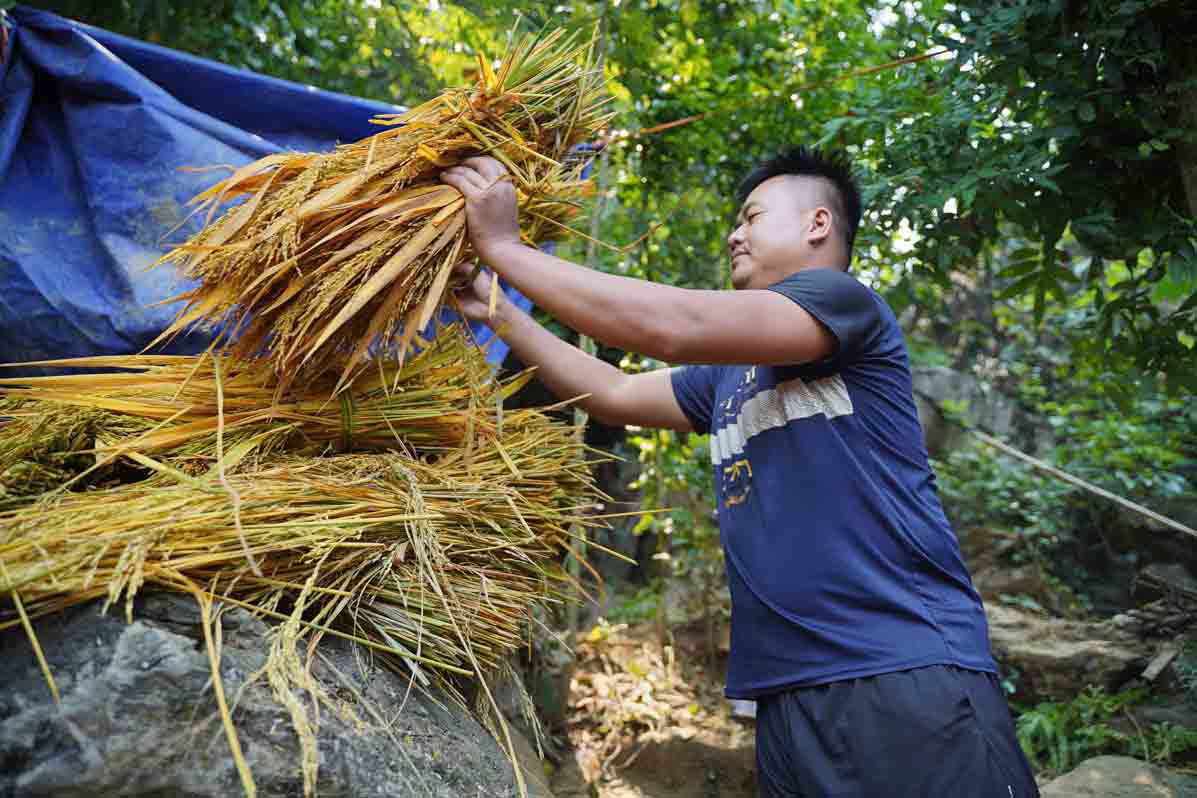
[327, 254]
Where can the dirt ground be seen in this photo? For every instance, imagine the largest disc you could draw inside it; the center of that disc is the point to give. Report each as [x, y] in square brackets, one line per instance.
[651, 722]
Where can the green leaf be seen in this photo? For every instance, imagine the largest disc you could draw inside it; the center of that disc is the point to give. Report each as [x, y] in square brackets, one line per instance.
[1040, 300]
[1028, 264]
[1065, 274]
[1045, 181]
[1019, 286]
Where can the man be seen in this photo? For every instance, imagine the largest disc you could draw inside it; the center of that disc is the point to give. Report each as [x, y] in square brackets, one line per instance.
[855, 625]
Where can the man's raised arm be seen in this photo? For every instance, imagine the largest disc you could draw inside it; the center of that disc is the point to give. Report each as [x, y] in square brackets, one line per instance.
[616, 398]
[676, 325]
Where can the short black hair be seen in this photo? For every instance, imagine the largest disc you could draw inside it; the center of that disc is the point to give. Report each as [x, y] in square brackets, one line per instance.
[809, 162]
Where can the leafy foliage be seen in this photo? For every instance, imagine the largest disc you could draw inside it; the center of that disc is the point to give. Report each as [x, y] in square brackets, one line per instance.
[983, 489]
[1142, 446]
[1057, 736]
[676, 474]
[394, 52]
[1045, 123]
[1186, 670]
[1119, 434]
[1031, 199]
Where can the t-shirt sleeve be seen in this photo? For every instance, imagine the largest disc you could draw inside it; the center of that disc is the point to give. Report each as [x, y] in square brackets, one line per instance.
[694, 388]
[838, 301]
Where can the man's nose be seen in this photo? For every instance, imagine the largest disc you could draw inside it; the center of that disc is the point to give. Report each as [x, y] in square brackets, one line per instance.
[735, 237]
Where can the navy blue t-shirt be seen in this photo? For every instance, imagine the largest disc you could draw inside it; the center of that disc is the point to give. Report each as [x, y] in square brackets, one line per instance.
[840, 560]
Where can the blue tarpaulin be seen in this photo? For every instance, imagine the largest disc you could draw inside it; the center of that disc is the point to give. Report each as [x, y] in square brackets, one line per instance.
[95, 132]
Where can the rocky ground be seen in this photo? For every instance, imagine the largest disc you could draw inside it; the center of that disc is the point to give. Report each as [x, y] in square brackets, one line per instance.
[645, 721]
[647, 724]
[138, 717]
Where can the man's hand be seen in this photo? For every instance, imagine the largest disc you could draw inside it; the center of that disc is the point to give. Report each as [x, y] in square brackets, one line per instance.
[473, 295]
[492, 210]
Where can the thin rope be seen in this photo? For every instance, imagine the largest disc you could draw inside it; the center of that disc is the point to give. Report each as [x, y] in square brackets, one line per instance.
[1080, 483]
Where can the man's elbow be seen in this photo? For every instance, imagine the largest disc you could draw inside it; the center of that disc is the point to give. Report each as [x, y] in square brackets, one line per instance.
[604, 413]
[614, 405]
[603, 405]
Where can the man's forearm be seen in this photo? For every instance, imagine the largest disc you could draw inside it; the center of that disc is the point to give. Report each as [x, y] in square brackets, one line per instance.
[623, 312]
[564, 369]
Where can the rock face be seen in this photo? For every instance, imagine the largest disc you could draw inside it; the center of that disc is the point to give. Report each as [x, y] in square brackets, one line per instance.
[1157, 542]
[1056, 657]
[984, 408]
[138, 717]
[1120, 777]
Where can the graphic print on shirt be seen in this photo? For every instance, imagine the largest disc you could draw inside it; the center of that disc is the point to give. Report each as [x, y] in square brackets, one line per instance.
[735, 477]
[749, 411]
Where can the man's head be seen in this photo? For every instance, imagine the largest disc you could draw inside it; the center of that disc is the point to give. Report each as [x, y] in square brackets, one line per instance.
[797, 211]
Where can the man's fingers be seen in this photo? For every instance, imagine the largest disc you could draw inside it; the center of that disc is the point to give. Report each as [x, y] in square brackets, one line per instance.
[470, 171]
[467, 181]
[489, 168]
[475, 175]
[462, 272]
[458, 182]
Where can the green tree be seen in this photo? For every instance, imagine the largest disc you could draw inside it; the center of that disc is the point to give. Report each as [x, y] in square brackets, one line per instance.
[1030, 191]
[1068, 128]
[394, 52]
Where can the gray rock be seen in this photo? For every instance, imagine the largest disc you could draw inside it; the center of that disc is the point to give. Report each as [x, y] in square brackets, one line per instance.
[1057, 657]
[1180, 713]
[1153, 541]
[1120, 777]
[990, 410]
[1163, 579]
[138, 717]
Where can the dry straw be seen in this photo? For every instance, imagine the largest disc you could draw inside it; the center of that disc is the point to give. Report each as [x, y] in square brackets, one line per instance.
[329, 254]
[391, 501]
[434, 564]
[87, 429]
[413, 558]
[420, 465]
[412, 514]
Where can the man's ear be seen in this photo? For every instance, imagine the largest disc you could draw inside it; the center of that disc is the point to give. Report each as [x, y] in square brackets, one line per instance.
[820, 226]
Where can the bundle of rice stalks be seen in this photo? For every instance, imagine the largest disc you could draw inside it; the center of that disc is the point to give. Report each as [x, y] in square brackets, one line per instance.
[435, 563]
[41, 450]
[433, 554]
[329, 253]
[188, 411]
[431, 561]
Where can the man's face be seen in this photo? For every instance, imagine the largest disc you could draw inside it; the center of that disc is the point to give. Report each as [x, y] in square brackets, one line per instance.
[770, 241]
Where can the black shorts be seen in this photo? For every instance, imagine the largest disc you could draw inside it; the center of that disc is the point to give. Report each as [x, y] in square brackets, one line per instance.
[934, 732]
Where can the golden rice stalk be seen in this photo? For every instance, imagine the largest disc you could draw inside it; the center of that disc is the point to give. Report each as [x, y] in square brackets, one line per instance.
[42, 449]
[331, 253]
[443, 397]
[434, 562]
